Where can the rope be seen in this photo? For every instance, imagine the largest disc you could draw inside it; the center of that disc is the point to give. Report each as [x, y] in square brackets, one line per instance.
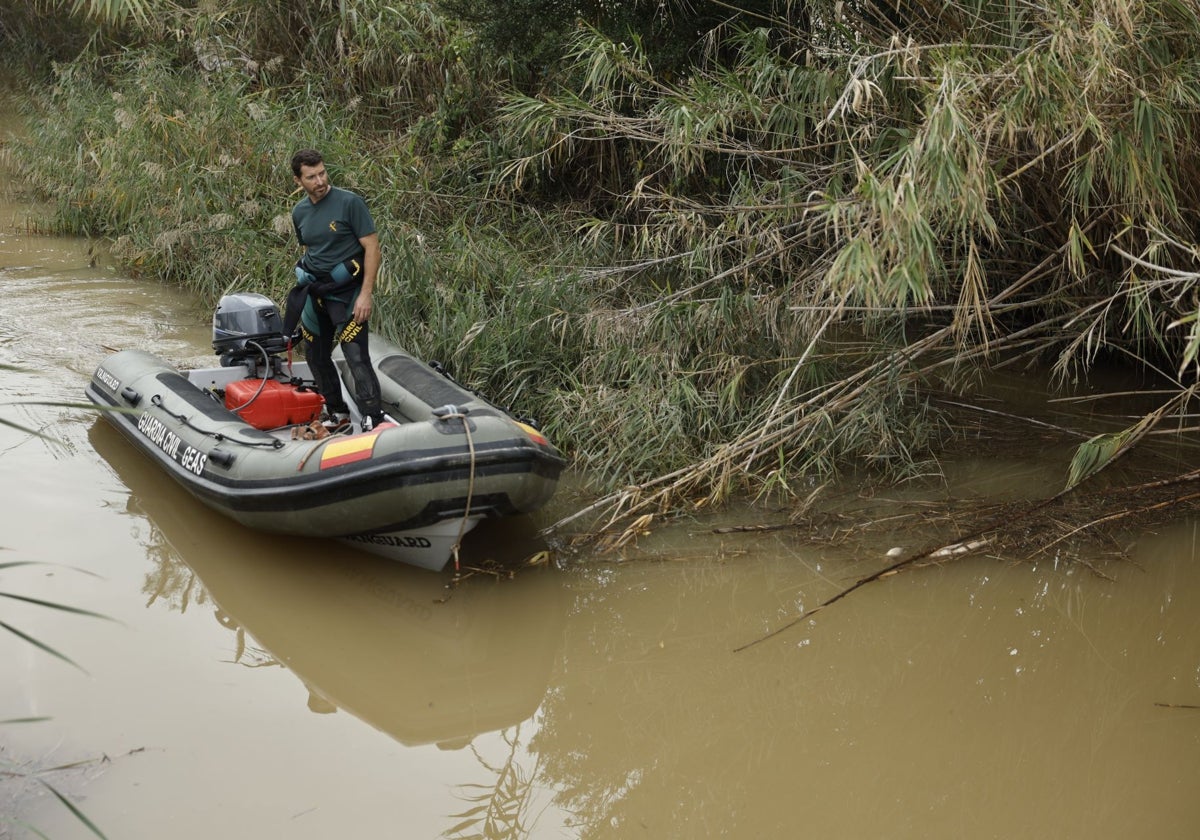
[315, 447]
[462, 526]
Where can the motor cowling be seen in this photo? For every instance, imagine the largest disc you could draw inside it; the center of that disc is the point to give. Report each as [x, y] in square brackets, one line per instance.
[247, 325]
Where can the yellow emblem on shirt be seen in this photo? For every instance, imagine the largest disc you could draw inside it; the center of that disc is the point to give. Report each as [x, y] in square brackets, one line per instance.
[333, 226]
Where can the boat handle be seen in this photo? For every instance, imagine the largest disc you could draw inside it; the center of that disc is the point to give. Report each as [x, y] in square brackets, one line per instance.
[445, 411]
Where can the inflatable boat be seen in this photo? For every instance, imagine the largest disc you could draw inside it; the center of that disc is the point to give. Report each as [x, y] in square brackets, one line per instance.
[245, 438]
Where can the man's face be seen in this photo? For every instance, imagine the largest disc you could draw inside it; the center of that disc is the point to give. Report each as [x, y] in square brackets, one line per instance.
[314, 180]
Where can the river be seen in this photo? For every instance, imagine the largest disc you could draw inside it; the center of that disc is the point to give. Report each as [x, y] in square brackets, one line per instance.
[246, 686]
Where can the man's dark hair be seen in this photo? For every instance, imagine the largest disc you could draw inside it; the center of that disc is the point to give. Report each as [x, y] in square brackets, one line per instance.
[305, 157]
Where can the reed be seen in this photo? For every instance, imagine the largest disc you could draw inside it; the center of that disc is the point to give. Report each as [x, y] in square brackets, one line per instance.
[742, 275]
[905, 184]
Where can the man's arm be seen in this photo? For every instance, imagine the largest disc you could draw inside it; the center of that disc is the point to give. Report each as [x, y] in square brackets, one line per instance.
[371, 260]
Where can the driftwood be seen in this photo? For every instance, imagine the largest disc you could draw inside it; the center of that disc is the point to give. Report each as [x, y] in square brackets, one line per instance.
[983, 535]
[886, 572]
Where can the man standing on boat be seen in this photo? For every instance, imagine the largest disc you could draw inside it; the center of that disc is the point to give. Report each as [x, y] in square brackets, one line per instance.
[335, 282]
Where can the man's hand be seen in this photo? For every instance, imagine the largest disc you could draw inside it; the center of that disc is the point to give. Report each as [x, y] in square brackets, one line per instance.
[362, 307]
[371, 260]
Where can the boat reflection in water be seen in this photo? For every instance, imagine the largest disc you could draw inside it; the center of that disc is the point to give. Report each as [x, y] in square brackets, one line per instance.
[390, 644]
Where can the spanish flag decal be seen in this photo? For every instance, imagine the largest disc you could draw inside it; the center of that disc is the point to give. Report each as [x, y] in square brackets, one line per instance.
[534, 434]
[353, 448]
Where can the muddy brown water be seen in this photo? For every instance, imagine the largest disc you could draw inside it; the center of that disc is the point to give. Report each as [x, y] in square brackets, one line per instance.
[248, 686]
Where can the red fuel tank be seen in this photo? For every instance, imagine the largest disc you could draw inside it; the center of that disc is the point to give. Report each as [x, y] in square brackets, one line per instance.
[271, 404]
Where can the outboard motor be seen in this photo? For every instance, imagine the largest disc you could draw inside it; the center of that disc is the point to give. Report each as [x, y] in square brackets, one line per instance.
[247, 328]
[248, 332]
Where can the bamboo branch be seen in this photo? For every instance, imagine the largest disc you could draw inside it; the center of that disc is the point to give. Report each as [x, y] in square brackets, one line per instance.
[896, 567]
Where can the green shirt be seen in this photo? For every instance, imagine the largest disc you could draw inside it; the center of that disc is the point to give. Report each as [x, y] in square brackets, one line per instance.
[330, 229]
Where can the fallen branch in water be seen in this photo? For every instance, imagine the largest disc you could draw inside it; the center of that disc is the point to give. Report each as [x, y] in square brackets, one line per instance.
[745, 529]
[1124, 514]
[961, 546]
[980, 537]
